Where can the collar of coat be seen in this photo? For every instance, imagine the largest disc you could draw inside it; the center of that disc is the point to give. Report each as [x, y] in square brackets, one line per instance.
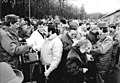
[12, 32]
[67, 38]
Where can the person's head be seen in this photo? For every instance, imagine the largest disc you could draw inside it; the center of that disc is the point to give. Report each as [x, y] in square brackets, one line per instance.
[112, 30]
[103, 27]
[12, 21]
[22, 21]
[27, 21]
[88, 26]
[72, 31]
[51, 29]
[94, 29]
[63, 21]
[9, 75]
[40, 26]
[84, 46]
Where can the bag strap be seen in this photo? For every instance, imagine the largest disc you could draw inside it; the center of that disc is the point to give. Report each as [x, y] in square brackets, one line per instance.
[41, 33]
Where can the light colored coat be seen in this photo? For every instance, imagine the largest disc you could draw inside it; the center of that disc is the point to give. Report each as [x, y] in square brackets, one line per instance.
[51, 52]
[36, 39]
[104, 53]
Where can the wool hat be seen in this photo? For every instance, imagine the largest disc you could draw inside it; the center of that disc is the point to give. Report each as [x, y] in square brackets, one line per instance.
[9, 75]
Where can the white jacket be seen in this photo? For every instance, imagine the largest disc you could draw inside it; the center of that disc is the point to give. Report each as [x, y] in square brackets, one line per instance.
[36, 39]
[51, 52]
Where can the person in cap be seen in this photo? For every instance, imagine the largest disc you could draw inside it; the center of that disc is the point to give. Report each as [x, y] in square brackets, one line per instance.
[10, 47]
[103, 30]
[9, 75]
[102, 52]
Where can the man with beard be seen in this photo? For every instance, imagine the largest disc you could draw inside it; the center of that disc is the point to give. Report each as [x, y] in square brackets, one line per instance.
[51, 53]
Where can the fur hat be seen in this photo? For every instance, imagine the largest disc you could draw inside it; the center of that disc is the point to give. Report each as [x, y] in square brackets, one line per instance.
[11, 17]
[84, 42]
[8, 75]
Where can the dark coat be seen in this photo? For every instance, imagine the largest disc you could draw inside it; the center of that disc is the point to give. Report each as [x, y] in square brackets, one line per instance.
[75, 53]
[75, 63]
[67, 44]
[10, 48]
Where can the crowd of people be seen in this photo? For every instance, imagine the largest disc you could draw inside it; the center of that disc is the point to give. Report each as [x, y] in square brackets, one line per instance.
[67, 50]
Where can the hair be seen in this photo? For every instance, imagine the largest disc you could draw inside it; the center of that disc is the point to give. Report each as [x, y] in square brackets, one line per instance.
[104, 29]
[72, 27]
[10, 20]
[63, 21]
[69, 21]
[114, 27]
[28, 20]
[83, 42]
[51, 27]
[87, 24]
[80, 24]
[40, 22]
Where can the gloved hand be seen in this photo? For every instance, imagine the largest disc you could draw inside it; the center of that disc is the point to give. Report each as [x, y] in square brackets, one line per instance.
[29, 42]
[46, 73]
[30, 45]
[85, 70]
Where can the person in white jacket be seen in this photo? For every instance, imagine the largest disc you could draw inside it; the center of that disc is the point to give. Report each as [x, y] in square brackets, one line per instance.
[51, 53]
[37, 38]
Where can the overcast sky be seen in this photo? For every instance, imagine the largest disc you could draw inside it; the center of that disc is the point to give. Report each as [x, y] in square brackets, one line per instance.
[103, 6]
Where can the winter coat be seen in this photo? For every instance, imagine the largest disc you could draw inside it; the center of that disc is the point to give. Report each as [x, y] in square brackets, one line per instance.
[51, 52]
[67, 44]
[103, 53]
[75, 53]
[115, 49]
[37, 39]
[10, 48]
[75, 63]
